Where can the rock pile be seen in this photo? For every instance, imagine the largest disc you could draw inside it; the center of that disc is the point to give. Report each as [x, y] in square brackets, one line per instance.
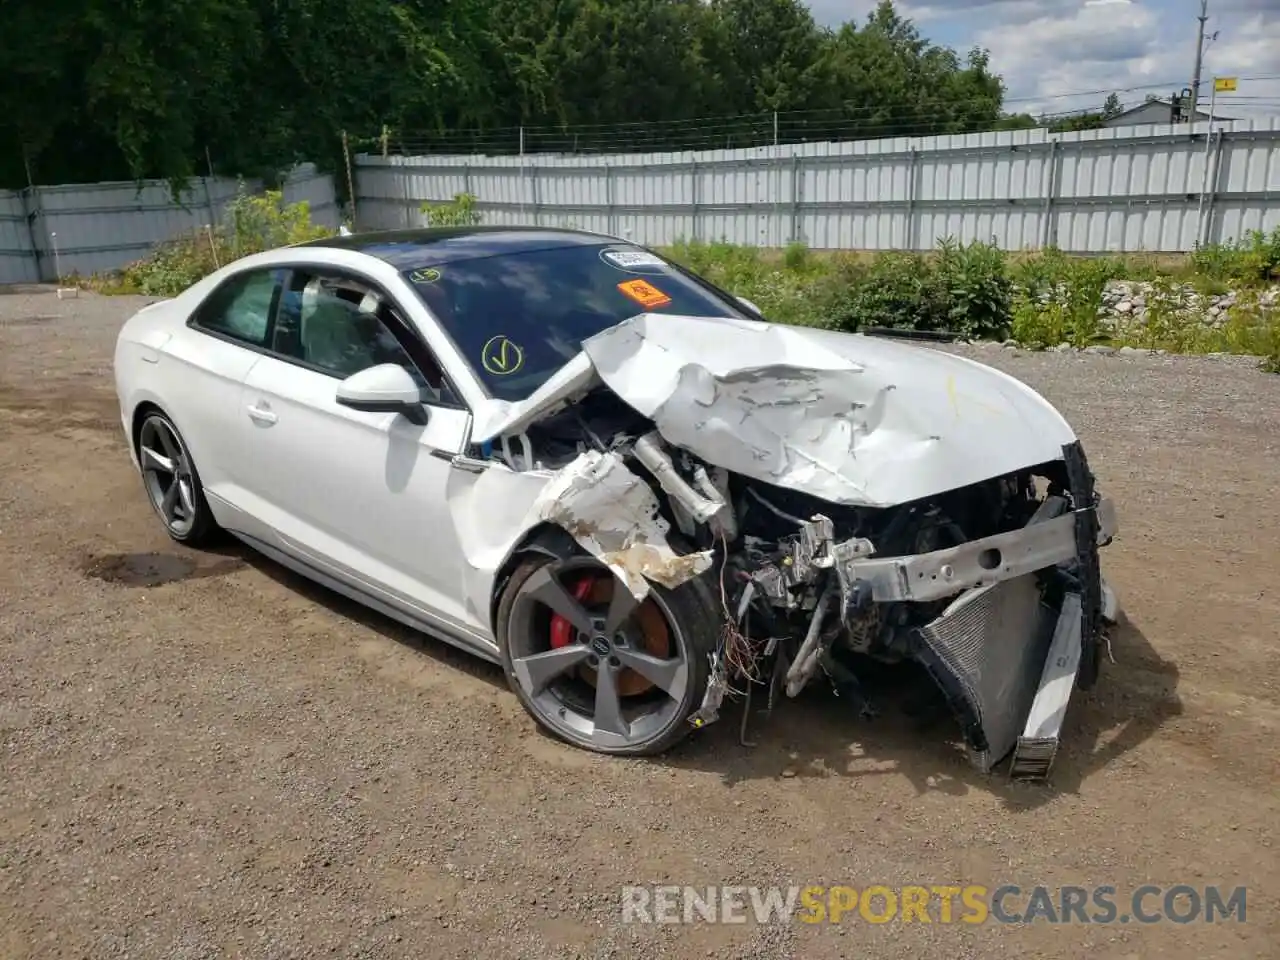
[1125, 303]
[1128, 306]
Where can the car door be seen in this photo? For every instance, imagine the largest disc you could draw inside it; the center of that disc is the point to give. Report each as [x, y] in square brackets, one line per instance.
[357, 495]
[210, 359]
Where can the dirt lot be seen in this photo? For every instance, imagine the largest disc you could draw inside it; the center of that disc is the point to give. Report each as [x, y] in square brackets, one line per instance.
[235, 763]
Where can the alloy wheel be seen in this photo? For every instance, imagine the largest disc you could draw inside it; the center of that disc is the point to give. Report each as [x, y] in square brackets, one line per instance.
[167, 473]
[595, 665]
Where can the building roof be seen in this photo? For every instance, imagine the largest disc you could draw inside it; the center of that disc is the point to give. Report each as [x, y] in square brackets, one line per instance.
[1165, 105]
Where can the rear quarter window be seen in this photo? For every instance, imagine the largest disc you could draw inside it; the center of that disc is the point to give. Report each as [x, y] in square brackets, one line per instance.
[241, 307]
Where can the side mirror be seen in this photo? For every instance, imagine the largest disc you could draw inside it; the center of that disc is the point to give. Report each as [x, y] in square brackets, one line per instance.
[750, 306]
[386, 388]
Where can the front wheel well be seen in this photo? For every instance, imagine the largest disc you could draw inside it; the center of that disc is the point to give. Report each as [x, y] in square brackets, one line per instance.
[555, 541]
[545, 538]
[140, 413]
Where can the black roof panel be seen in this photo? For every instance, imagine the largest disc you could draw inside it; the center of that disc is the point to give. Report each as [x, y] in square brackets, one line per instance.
[408, 249]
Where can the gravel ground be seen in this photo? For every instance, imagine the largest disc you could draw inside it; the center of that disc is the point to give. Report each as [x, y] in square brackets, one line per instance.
[231, 762]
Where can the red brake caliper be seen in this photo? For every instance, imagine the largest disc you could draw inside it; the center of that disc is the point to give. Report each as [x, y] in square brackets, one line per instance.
[562, 629]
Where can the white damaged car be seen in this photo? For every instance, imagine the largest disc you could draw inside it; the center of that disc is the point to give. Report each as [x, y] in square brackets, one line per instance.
[565, 454]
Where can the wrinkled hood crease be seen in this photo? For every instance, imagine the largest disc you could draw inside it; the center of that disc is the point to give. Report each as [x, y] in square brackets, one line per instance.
[848, 419]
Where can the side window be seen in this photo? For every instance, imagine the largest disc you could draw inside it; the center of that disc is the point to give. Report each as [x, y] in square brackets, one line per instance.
[241, 307]
[340, 326]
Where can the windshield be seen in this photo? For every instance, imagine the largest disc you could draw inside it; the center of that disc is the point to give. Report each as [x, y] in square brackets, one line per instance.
[518, 317]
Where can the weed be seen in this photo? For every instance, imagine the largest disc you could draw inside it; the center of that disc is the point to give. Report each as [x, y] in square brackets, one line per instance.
[975, 287]
[1253, 260]
[459, 212]
[974, 290]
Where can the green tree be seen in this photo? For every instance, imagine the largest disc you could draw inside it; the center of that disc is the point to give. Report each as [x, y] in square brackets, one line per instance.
[97, 89]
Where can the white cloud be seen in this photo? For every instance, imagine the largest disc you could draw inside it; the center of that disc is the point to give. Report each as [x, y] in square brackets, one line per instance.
[1136, 48]
[1252, 49]
[1247, 6]
[1047, 50]
[1252, 53]
[1088, 47]
[831, 12]
[1005, 11]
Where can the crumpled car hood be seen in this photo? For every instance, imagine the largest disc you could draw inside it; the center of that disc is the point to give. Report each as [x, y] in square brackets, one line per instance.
[849, 419]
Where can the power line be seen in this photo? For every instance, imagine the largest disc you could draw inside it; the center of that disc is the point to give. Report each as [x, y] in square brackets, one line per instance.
[926, 116]
[902, 115]
[846, 109]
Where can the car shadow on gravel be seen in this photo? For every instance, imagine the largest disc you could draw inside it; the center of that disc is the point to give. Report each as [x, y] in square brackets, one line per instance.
[914, 736]
[444, 653]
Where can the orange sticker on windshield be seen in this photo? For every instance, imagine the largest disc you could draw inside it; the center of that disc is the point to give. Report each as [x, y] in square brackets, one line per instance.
[644, 293]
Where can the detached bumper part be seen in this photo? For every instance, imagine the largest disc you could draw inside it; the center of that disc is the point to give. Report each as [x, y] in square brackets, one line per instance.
[987, 652]
[1008, 654]
[1035, 750]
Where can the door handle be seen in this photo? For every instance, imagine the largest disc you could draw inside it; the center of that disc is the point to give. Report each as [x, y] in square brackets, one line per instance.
[262, 415]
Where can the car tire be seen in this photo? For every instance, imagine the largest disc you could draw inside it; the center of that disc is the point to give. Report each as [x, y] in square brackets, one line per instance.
[172, 482]
[553, 663]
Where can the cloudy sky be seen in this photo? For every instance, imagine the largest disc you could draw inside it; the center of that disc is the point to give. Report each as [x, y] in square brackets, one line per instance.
[1050, 50]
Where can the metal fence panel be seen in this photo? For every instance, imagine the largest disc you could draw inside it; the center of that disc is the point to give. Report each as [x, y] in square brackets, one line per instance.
[306, 184]
[17, 258]
[1143, 188]
[104, 226]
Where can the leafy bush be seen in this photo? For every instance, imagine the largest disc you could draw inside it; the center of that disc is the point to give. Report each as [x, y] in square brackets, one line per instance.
[1252, 260]
[256, 223]
[976, 290]
[1039, 324]
[782, 287]
[896, 290]
[174, 266]
[736, 268]
[975, 279]
[1085, 283]
[1253, 329]
[1040, 273]
[1170, 321]
[964, 289]
[796, 257]
[459, 212]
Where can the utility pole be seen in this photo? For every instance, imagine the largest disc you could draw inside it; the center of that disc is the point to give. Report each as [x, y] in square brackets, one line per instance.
[1195, 77]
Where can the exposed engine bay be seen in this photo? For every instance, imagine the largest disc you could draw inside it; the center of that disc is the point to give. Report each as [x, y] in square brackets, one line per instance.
[993, 588]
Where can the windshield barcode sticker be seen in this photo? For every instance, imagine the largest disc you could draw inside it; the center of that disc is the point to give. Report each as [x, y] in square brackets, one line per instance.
[634, 261]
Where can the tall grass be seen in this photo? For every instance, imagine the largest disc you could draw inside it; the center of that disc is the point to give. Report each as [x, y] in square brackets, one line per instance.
[1041, 299]
[974, 290]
